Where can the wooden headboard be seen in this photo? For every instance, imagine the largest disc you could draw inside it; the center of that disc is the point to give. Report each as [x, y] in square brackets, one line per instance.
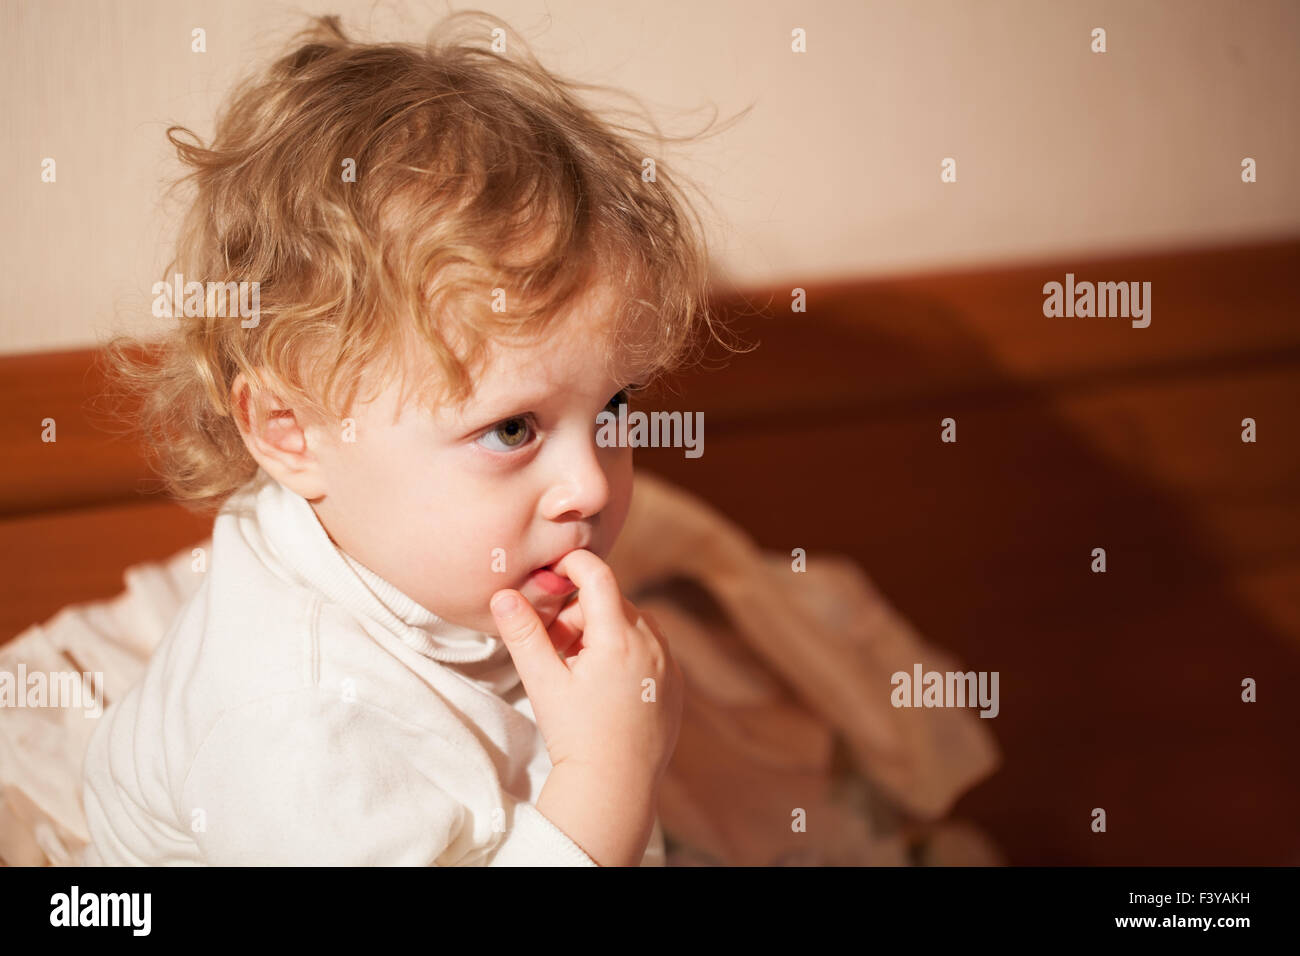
[1118, 690]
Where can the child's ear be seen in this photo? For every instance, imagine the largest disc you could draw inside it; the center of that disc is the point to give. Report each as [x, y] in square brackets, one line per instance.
[275, 436]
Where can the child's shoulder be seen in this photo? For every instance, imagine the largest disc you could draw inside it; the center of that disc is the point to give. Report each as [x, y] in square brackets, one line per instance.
[229, 645]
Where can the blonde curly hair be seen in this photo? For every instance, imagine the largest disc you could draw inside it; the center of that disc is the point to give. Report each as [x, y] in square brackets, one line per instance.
[459, 153]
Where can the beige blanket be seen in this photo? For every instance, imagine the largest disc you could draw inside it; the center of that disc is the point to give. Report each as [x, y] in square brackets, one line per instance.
[790, 752]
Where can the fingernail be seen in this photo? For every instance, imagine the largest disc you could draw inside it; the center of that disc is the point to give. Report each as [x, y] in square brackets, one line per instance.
[505, 604]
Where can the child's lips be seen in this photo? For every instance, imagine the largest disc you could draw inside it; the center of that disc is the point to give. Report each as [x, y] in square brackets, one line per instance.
[550, 582]
[559, 558]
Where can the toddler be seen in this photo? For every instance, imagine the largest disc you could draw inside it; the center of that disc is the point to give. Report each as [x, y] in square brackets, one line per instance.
[457, 268]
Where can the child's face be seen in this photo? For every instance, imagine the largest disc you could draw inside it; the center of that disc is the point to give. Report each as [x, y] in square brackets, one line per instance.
[426, 500]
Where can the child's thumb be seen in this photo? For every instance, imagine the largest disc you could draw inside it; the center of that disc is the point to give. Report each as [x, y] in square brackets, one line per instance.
[526, 639]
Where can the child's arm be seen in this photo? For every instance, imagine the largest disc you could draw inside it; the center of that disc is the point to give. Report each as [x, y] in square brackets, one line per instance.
[609, 715]
[610, 817]
[305, 778]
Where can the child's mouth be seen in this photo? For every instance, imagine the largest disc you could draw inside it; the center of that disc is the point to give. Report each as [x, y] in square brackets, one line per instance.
[550, 582]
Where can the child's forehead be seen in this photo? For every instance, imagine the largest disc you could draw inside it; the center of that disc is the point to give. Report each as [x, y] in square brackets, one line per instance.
[514, 372]
[573, 355]
[594, 334]
[593, 342]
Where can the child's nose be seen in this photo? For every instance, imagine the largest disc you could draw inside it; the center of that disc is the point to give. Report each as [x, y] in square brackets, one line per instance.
[581, 487]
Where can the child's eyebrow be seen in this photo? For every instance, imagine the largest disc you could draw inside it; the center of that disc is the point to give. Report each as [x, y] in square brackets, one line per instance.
[516, 406]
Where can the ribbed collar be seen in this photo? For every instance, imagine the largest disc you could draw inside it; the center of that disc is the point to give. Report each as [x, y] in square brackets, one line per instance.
[295, 536]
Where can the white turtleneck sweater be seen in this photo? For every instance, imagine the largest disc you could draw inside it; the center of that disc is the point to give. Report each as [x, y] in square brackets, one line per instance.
[301, 710]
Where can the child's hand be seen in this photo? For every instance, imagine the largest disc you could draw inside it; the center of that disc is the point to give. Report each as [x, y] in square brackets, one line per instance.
[595, 709]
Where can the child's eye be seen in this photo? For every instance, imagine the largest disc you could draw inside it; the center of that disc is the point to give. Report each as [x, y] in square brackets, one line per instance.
[513, 433]
[624, 395]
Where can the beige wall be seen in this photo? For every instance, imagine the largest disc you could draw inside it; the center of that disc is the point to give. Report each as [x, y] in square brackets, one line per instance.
[836, 170]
